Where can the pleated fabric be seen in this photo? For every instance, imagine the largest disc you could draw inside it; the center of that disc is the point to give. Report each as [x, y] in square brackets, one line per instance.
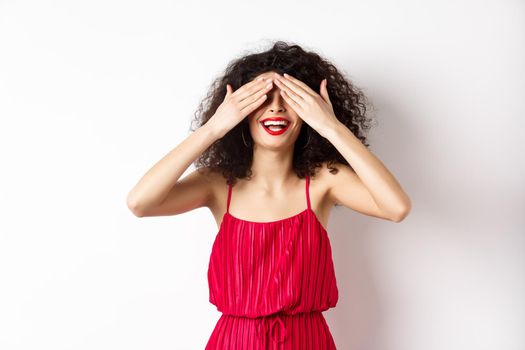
[271, 281]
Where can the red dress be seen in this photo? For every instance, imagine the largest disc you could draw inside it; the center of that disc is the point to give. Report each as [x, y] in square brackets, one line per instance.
[271, 281]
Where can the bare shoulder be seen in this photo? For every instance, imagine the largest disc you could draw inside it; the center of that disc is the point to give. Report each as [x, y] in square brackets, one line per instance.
[344, 187]
[332, 177]
[320, 191]
[216, 183]
[218, 187]
[324, 179]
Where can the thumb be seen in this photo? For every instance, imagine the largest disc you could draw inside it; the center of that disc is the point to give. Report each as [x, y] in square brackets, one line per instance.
[229, 90]
[324, 91]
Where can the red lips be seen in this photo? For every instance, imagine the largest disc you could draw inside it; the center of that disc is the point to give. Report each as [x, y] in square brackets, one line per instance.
[275, 132]
[274, 119]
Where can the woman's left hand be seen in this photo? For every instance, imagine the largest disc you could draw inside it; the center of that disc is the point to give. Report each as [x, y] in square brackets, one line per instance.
[316, 110]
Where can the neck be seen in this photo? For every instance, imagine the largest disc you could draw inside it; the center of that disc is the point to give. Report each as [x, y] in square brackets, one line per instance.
[272, 169]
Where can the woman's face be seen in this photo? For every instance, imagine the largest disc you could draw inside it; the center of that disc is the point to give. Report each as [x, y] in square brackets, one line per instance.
[274, 107]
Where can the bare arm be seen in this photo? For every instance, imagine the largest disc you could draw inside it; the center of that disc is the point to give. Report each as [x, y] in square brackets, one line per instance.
[154, 186]
[371, 189]
[159, 191]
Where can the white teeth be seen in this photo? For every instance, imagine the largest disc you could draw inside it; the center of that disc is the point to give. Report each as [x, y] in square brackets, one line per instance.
[275, 122]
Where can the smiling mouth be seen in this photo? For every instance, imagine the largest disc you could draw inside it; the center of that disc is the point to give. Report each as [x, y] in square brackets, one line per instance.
[275, 127]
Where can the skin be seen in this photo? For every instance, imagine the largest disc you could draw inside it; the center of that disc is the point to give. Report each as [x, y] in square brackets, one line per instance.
[278, 192]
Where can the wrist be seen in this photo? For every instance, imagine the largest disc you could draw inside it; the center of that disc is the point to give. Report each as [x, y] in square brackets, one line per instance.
[332, 129]
[213, 130]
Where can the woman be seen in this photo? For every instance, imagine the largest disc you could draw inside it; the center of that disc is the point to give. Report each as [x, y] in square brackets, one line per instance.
[257, 148]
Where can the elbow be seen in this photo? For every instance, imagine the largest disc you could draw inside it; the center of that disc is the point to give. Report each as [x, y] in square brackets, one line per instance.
[402, 213]
[134, 206]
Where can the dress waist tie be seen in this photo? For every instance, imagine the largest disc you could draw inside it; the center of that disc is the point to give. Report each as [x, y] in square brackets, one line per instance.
[263, 322]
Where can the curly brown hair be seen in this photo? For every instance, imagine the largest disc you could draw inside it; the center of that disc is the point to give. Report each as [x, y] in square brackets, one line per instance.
[233, 159]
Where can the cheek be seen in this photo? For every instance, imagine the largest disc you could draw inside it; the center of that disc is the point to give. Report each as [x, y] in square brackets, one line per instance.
[252, 122]
[251, 119]
[253, 115]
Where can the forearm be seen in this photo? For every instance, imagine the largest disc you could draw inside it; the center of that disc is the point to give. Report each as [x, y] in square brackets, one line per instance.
[378, 180]
[154, 186]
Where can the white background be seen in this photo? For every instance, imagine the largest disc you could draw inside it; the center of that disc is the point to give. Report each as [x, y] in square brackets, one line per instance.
[93, 93]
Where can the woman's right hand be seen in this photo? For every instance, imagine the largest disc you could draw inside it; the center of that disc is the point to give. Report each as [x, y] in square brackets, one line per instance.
[239, 104]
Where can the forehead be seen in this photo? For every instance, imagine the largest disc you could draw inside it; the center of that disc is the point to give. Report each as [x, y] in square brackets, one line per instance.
[265, 75]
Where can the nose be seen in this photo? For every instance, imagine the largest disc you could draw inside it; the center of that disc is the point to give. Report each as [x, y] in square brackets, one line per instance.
[276, 103]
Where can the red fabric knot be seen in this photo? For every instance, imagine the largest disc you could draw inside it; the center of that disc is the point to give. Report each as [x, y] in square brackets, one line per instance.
[263, 322]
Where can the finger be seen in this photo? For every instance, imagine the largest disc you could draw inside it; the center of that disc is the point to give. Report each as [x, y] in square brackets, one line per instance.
[241, 92]
[295, 81]
[324, 92]
[290, 101]
[229, 90]
[249, 91]
[290, 93]
[255, 95]
[254, 105]
[294, 91]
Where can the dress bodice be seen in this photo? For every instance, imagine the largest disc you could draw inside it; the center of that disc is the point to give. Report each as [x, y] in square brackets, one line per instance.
[282, 266]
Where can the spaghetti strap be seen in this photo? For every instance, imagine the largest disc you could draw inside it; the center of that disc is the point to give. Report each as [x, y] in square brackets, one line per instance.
[308, 191]
[229, 198]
